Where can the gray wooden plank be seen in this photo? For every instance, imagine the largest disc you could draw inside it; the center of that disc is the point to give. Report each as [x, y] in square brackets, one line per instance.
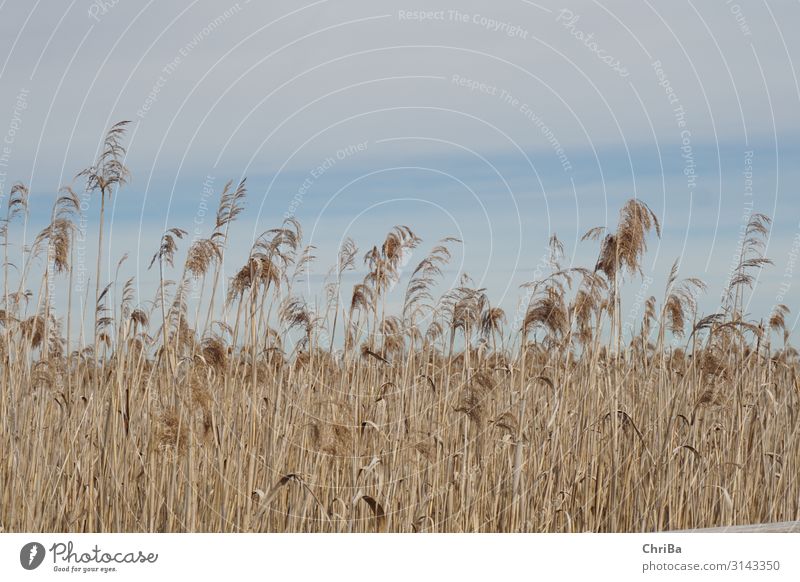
[778, 527]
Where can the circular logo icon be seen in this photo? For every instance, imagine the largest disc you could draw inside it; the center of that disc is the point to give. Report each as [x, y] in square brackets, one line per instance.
[31, 555]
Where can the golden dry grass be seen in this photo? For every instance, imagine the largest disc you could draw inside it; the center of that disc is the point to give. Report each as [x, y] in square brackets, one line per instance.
[243, 414]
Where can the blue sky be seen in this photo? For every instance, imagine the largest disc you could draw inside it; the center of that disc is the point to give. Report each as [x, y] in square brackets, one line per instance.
[450, 124]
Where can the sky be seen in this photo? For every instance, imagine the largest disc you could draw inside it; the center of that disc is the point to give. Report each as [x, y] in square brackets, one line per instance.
[499, 123]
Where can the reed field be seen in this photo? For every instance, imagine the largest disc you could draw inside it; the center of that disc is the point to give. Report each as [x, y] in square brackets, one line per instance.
[251, 410]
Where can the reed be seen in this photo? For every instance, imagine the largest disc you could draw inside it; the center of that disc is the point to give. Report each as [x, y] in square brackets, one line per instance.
[259, 411]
